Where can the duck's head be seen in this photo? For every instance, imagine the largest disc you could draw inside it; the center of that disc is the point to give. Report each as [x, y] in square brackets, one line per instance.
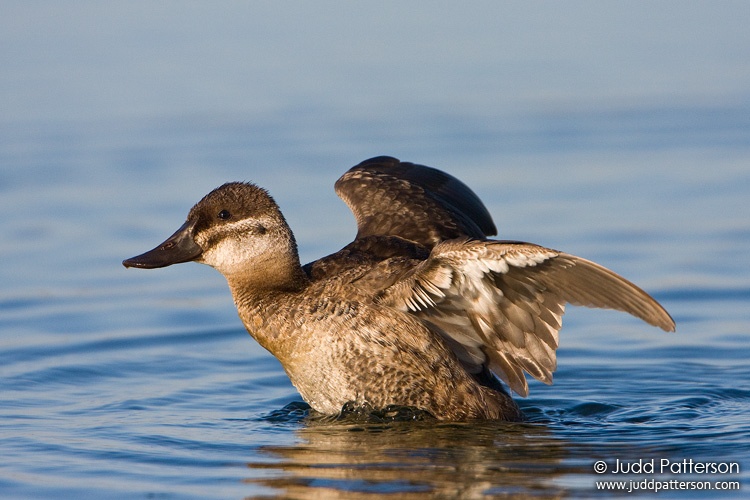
[237, 229]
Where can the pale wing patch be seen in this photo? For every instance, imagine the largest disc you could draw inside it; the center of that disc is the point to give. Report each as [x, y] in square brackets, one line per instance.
[486, 322]
[500, 304]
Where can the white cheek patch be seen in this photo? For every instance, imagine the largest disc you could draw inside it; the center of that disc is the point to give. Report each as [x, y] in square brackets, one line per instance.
[233, 246]
[230, 254]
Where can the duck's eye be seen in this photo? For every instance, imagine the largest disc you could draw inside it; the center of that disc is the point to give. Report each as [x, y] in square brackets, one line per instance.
[224, 215]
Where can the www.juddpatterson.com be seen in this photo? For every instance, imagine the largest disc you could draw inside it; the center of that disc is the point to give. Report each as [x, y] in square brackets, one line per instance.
[654, 485]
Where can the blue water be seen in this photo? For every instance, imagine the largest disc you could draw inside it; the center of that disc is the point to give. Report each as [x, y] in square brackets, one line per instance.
[618, 134]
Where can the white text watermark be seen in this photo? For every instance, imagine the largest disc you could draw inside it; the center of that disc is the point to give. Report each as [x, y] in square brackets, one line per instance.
[657, 468]
[665, 466]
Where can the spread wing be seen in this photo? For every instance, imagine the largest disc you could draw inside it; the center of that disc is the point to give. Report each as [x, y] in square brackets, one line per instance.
[414, 202]
[500, 304]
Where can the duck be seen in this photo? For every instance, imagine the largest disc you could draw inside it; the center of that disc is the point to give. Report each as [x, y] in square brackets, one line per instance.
[422, 310]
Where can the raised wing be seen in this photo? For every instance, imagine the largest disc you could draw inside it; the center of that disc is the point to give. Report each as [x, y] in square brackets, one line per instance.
[500, 304]
[414, 202]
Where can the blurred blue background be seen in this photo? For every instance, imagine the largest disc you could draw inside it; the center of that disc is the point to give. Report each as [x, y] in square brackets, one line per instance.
[616, 131]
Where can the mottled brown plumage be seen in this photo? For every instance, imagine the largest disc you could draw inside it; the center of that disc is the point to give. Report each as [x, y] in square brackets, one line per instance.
[421, 309]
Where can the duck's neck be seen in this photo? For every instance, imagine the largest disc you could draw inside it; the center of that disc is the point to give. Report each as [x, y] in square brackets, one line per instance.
[261, 292]
[266, 276]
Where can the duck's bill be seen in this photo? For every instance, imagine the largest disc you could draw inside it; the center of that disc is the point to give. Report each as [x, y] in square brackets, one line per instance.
[180, 247]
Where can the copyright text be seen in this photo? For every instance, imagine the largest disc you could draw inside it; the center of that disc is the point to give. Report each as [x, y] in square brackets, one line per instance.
[657, 467]
[665, 466]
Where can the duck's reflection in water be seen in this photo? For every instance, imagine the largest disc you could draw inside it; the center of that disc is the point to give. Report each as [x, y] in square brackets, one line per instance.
[415, 459]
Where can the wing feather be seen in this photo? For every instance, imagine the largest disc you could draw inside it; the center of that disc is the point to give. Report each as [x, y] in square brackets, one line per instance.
[418, 203]
[500, 304]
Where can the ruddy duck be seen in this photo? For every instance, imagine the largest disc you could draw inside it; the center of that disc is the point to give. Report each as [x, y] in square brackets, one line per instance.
[420, 310]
